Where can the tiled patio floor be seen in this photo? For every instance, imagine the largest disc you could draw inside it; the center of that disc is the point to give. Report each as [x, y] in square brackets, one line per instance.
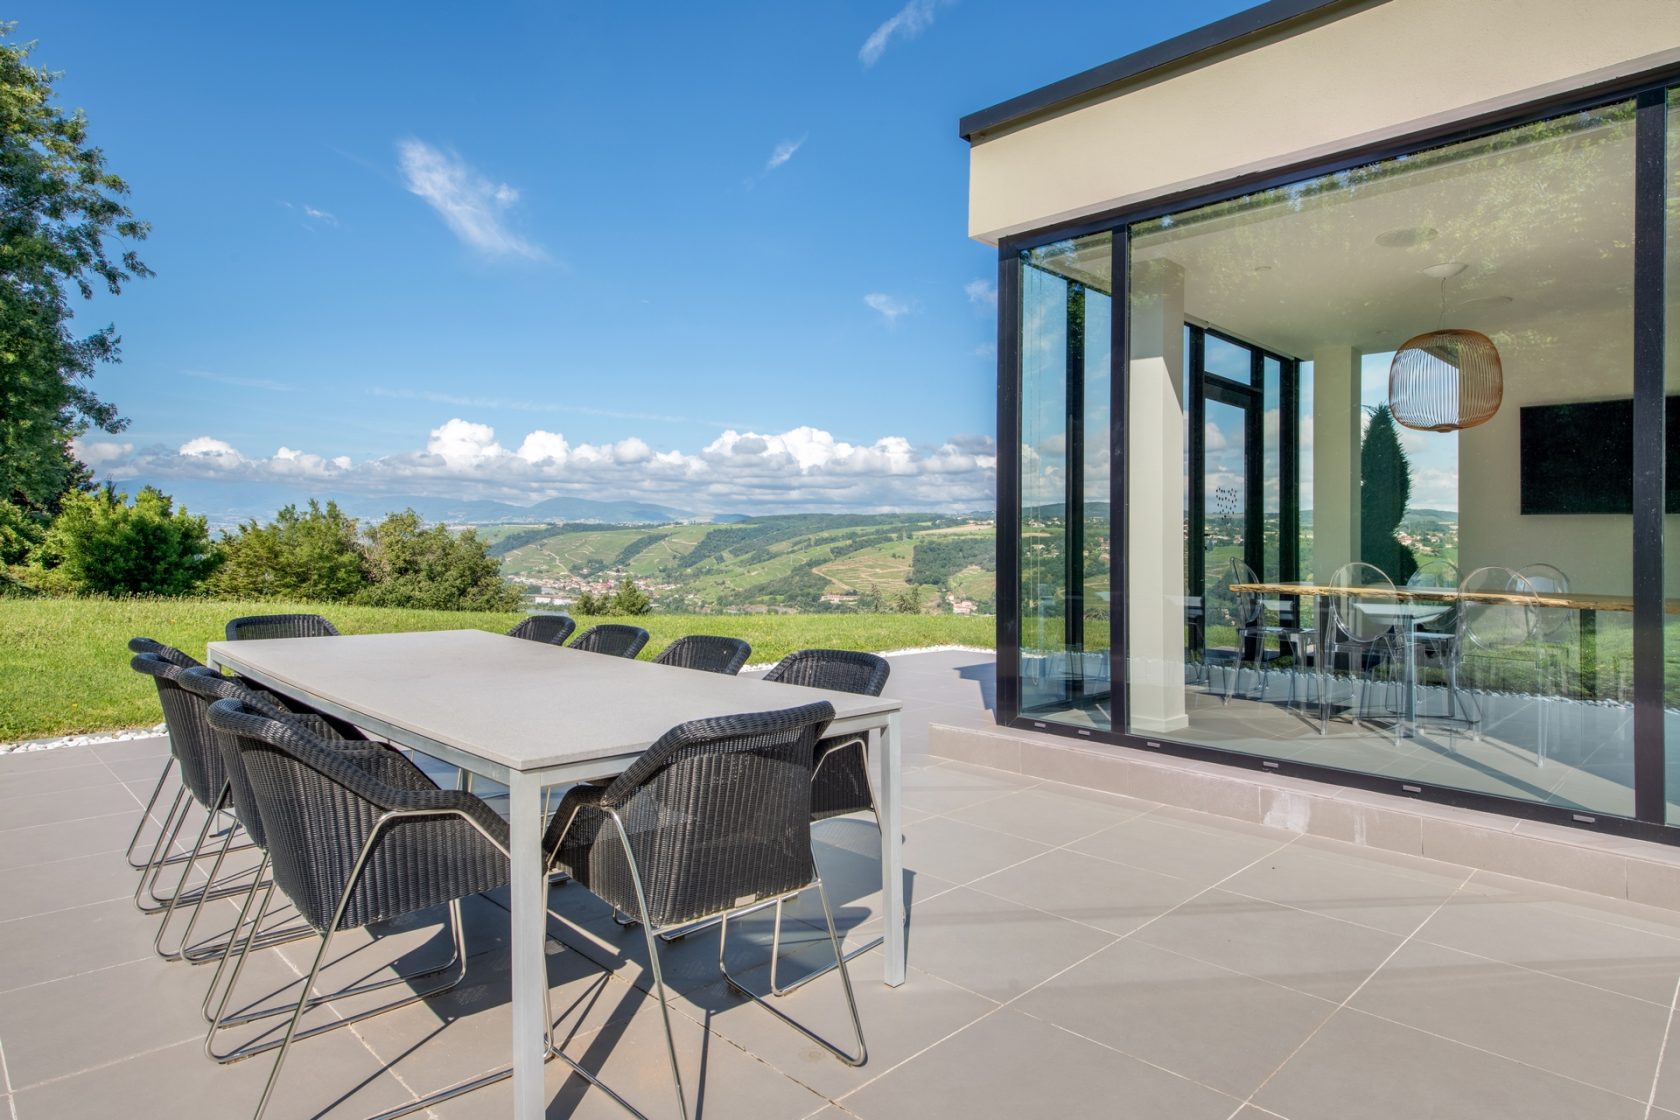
[1073, 954]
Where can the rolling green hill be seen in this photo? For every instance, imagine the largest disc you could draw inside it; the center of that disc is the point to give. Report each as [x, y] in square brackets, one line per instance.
[801, 562]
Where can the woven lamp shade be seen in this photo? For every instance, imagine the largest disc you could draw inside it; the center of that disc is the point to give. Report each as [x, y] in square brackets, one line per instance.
[1445, 380]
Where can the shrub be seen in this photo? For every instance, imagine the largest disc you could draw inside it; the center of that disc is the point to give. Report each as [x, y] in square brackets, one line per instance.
[312, 555]
[102, 544]
[431, 568]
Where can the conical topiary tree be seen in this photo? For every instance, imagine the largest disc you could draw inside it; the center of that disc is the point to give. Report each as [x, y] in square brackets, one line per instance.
[1385, 488]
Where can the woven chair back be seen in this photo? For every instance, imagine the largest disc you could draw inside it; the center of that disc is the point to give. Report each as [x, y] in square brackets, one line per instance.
[614, 639]
[551, 628]
[707, 653]
[718, 813]
[320, 806]
[191, 740]
[257, 627]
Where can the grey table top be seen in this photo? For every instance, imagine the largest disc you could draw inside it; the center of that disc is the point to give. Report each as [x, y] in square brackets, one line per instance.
[524, 705]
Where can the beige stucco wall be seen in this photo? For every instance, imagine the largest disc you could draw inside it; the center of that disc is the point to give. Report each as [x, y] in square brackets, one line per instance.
[1363, 73]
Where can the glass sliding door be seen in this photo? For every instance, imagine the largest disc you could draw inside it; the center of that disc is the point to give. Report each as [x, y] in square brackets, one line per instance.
[1342, 576]
[1064, 391]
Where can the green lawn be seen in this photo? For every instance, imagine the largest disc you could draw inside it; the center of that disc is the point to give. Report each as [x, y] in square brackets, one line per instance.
[64, 662]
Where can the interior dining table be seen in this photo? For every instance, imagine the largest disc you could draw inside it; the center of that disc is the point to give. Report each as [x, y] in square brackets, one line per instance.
[531, 716]
[1588, 604]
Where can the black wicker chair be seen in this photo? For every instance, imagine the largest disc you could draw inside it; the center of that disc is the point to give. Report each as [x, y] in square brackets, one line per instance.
[551, 628]
[199, 763]
[612, 638]
[712, 820]
[841, 784]
[259, 626]
[707, 653]
[185, 661]
[353, 841]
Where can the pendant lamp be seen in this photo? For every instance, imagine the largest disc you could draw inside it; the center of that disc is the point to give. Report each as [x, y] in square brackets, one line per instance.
[1445, 380]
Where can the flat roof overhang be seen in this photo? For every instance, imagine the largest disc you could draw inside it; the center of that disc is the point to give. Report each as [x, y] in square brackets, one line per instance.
[1208, 39]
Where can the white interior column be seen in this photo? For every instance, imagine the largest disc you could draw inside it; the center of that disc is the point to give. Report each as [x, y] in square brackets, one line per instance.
[1155, 499]
[1337, 430]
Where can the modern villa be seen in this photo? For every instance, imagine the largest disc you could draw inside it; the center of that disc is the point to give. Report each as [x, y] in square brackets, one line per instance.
[1334, 388]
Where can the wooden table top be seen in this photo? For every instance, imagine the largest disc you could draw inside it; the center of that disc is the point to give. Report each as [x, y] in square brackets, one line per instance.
[1568, 600]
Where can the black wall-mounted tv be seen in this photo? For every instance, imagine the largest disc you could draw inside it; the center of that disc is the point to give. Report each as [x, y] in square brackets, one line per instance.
[1578, 458]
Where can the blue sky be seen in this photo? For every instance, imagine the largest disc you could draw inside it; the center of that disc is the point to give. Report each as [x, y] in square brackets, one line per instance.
[708, 255]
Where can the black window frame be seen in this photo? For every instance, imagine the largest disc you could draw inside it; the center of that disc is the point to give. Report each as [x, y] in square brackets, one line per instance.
[1649, 91]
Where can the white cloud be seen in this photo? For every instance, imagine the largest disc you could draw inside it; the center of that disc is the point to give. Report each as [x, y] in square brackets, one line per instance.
[471, 205]
[981, 293]
[460, 443]
[319, 215]
[97, 453]
[889, 307]
[909, 22]
[782, 153]
[804, 468]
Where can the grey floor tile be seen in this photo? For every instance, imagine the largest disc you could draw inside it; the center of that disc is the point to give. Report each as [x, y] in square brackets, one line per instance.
[1598, 1037]
[143, 769]
[1522, 929]
[69, 805]
[51, 842]
[1201, 853]
[1301, 950]
[1008, 1066]
[1347, 885]
[33, 761]
[67, 1026]
[721, 1081]
[46, 887]
[1361, 1068]
[995, 947]
[68, 942]
[960, 853]
[466, 1032]
[332, 1076]
[30, 783]
[1051, 816]
[944, 788]
[1211, 1025]
[898, 1023]
[1111, 896]
[151, 747]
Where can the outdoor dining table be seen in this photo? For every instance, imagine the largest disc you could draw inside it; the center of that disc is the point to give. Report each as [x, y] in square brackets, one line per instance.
[530, 716]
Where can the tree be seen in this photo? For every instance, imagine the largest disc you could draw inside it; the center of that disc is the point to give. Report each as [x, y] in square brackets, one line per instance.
[103, 544]
[59, 209]
[629, 599]
[431, 568]
[310, 555]
[19, 534]
[1385, 488]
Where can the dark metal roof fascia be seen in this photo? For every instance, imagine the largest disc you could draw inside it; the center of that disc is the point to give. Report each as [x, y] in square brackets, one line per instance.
[1202, 39]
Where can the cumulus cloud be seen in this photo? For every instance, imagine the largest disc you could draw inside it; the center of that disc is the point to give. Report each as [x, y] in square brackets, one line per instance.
[782, 153]
[889, 307]
[981, 293]
[804, 468]
[909, 22]
[472, 206]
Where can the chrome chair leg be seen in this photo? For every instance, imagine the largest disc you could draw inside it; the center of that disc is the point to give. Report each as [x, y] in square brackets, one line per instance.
[845, 978]
[146, 815]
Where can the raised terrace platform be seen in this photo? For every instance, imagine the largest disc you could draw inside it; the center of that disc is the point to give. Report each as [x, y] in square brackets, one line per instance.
[1074, 952]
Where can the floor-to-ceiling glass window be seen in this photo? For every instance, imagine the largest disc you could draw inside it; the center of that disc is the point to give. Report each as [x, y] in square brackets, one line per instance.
[1064, 596]
[1379, 468]
[1671, 506]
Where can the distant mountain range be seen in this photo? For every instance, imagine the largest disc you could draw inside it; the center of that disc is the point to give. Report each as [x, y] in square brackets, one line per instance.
[226, 506]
